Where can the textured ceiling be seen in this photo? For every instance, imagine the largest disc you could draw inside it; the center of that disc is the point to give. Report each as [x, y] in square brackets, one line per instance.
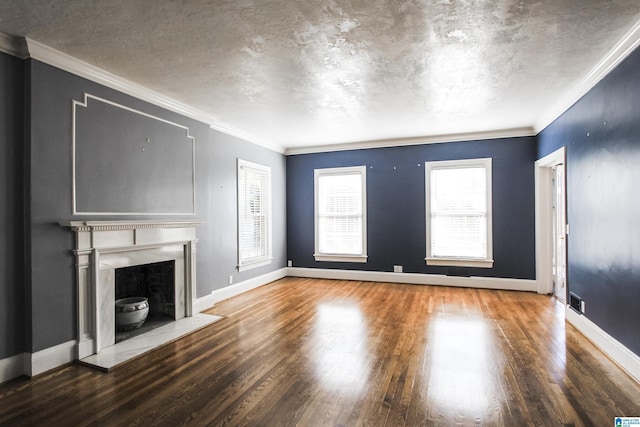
[299, 73]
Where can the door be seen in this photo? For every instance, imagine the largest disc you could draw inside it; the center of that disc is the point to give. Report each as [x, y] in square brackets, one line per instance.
[559, 234]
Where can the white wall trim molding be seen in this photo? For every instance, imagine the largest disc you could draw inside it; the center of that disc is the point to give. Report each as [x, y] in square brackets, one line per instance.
[11, 367]
[26, 48]
[544, 218]
[399, 142]
[84, 103]
[49, 358]
[620, 354]
[616, 55]
[416, 279]
[83, 69]
[14, 46]
[208, 301]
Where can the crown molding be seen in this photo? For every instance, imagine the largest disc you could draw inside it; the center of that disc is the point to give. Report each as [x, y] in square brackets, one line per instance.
[616, 55]
[247, 136]
[25, 48]
[15, 46]
[399, 142]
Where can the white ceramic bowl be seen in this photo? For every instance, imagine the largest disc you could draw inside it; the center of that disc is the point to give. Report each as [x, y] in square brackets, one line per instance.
[131, 313]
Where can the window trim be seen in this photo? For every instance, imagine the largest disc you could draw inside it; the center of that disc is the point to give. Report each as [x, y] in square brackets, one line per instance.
[338, 257]
[486, 262]
[244, 265]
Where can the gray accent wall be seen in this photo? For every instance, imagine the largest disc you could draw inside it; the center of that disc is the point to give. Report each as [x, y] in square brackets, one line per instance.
[50, 272]
[12, 297]
[217, 248]
[121, 161]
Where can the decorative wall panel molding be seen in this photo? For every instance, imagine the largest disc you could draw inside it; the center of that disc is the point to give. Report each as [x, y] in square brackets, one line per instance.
[127, 162]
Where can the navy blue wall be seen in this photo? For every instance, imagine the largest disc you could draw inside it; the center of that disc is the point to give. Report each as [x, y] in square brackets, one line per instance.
[12, 296]
[396, 232]
[602, 136]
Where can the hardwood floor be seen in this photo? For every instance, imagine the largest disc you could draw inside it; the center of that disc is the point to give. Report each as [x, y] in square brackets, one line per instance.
[314, 352]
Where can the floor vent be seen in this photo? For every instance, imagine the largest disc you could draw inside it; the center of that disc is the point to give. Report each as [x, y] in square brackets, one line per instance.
[575, 302]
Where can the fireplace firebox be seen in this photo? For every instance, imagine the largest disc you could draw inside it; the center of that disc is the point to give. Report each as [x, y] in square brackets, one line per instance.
[155, 285]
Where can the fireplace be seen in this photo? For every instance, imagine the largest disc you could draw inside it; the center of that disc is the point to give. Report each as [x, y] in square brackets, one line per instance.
[106, 250]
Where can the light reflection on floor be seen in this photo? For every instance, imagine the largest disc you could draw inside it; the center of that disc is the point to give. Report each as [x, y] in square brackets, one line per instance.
[462, 360]
[555, 357]
[340, 360]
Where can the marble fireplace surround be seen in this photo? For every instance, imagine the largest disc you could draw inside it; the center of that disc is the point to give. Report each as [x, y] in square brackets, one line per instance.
[104, 246]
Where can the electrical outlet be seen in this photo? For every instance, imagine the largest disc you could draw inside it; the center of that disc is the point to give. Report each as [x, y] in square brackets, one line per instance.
[583, 307]
[397, 269]
[230, 280]
[289, 263]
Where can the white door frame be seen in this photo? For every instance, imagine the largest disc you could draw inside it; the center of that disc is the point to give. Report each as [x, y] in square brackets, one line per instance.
[544, 218]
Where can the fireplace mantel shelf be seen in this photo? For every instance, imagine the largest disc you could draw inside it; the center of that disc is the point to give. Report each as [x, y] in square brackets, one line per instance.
[98, 235]
[127, 225]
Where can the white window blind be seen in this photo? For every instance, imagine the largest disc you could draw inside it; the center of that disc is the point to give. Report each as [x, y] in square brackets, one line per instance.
[254, 214]
[340, 214]
[458, 212]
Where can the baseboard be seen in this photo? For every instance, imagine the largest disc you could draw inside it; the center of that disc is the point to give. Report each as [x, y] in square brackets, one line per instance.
[417, 279]
[49, 358]
[11, 367]
[208, 301]
[32, 364]
[620, 354]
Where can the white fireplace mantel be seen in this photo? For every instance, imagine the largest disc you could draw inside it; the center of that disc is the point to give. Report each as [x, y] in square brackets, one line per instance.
[103, 246]
[104, 234]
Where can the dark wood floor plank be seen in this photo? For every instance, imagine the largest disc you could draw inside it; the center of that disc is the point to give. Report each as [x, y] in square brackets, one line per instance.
[311, 352]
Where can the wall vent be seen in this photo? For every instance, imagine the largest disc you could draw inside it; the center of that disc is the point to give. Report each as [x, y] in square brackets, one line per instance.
[575, 302]
[458, 271]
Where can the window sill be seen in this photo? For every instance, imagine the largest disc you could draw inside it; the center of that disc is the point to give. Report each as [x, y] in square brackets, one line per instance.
[457, 262]
[254, 264]
[341, 258]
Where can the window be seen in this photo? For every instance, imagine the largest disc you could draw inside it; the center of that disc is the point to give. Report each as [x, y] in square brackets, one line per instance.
[340, 214]
[459, 227]
[254, 215]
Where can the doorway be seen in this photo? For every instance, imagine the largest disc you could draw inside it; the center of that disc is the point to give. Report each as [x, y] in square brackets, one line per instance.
[559, 265]
[551, 224]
